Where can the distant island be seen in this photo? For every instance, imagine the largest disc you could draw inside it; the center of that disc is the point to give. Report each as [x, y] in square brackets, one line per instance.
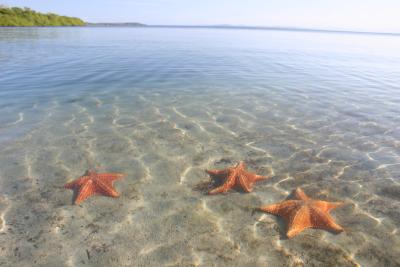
[26, 17]
[271, 28]
[116, 24]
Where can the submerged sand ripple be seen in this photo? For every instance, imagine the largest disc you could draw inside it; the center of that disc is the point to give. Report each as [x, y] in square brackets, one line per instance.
[164, 143]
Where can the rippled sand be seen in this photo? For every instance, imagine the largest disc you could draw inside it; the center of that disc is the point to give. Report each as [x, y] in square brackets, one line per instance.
[164, 141]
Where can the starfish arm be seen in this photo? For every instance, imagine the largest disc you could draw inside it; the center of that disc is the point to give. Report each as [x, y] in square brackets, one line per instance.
[252, 176]
[283, 209]
[300, 195]
[291, 232]
[323, 220]
[219, 189]
[260, 177]
[110, 176]
[229, 183]
[327, 206]
[85, 191]
[106, 188]
[245, 183]
[272, 209]
[70, 185]
[299, 221]
[76, 183]
[241, 165]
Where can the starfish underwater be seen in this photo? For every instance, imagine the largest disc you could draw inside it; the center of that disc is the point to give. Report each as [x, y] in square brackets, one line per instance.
[93, 183]
[303, 212]
[237, 175]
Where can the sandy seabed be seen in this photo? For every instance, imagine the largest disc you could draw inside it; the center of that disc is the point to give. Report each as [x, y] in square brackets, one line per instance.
[164, 142]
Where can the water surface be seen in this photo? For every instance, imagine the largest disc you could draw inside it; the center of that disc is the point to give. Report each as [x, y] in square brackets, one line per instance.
[314, 110]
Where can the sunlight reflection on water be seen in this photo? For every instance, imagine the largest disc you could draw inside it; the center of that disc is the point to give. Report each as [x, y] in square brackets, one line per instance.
[317, 110]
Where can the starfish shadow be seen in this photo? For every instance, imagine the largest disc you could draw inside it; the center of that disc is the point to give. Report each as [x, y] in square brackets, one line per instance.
[75, 192]
[74, 195]
[282, 228]
[205, 186]
[279, 221]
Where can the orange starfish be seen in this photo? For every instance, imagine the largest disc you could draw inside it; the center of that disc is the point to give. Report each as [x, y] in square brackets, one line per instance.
[303, 212]
[94, 183]
[237, 175]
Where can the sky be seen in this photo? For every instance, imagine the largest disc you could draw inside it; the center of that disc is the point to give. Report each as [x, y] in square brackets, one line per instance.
[368, 15]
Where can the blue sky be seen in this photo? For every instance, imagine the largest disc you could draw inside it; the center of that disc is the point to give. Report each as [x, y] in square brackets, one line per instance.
[373, 15]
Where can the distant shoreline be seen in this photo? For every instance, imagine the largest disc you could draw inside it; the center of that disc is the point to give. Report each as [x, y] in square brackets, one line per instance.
[111, 24]
[261, 28]
[292, 29]
[233, 27]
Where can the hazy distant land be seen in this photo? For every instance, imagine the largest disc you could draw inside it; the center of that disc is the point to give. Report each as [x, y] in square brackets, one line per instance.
[233, 27]
[115, 24]
[275, 28]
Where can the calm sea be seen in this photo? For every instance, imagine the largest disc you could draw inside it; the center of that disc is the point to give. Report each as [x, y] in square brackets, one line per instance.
[318, 111]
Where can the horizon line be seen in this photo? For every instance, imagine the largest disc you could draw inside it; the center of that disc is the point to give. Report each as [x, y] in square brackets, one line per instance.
[252, 27]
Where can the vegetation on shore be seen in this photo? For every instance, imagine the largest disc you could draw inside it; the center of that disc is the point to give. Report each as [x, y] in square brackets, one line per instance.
[16, 16]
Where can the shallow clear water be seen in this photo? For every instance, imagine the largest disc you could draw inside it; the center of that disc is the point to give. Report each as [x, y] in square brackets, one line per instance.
[316, 110]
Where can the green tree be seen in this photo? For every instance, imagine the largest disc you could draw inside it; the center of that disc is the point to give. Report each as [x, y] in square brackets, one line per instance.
[16, 16]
